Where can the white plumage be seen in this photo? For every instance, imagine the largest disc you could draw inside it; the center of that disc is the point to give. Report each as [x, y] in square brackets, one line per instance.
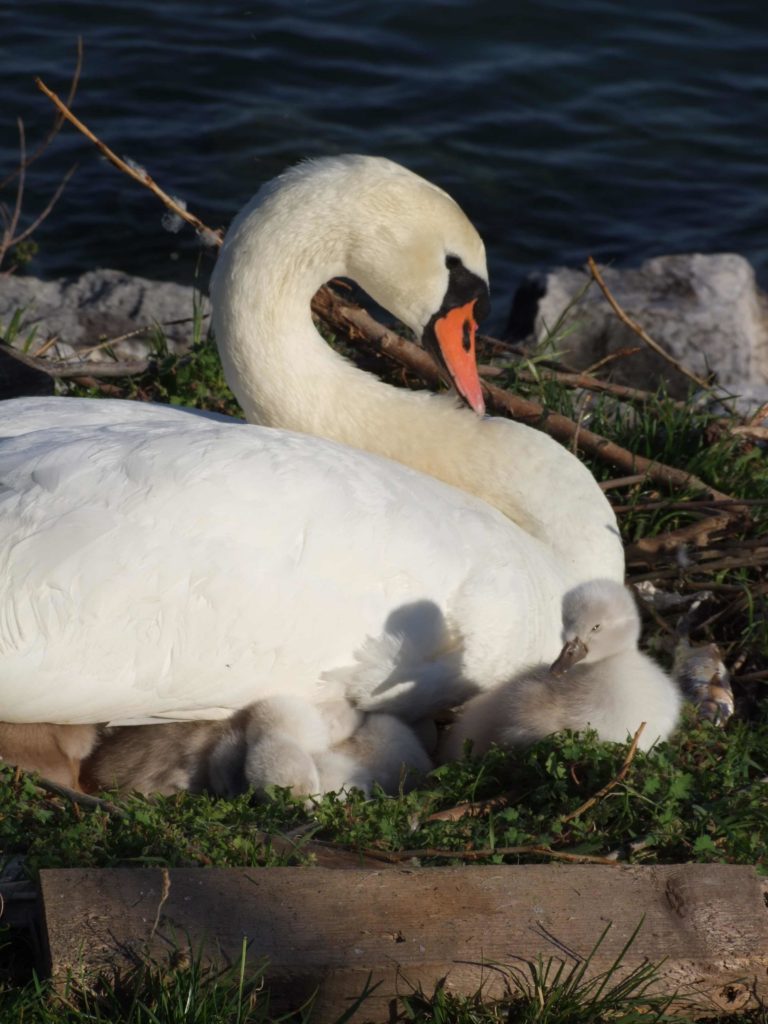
[183, 574]
[156, 564]
[613, 688]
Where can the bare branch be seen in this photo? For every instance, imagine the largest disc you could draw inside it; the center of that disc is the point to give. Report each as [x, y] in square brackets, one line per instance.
[142, 177]
[613, 783]
[393, 857]
[22, 179]
[58, 120]
[76, 369]
[47, 209]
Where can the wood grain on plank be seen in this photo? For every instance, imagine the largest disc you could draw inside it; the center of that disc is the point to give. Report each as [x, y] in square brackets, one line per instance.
[412, 927]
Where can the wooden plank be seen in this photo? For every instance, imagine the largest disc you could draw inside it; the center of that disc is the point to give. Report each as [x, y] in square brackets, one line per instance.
[416, 926]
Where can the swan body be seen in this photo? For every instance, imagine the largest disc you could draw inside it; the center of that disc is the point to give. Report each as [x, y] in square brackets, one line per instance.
[613, 688]
[156, 565]
[186, 572]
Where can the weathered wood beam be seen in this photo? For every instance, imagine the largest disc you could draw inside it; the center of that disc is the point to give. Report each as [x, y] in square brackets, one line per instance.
[416, 926]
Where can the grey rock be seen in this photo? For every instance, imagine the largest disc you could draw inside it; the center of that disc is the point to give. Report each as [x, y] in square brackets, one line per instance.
[705, 311]
[100, 304]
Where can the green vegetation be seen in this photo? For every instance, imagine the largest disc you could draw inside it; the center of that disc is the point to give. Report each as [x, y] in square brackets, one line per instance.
[701, 797]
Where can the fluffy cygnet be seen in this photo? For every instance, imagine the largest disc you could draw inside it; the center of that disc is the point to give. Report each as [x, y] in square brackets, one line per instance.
[600, 680]
[270, 742]
[162, 758]
[282, 737]
[54, 751]
[383, 750]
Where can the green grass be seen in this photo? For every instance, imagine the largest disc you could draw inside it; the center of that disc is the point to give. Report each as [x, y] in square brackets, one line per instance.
[187, 990]
[701, 797]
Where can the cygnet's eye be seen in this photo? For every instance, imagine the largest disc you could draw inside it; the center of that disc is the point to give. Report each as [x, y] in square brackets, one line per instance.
[597, 628]
[452, 262]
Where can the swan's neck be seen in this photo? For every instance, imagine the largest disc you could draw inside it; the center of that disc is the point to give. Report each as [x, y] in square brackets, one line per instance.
[285, 375]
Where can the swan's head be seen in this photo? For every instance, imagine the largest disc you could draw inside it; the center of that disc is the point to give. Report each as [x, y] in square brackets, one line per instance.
[402, 239]
[415, 252]
[600, 619]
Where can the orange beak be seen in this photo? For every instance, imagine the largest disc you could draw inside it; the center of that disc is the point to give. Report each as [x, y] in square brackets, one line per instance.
[455, 333]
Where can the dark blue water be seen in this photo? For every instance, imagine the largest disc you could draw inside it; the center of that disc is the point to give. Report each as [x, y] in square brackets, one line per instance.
[564, 128]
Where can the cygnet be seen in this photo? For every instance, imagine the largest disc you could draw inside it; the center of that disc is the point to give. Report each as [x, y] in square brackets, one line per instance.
[270, 742]
[600, 680]
[384, 750]
[282, 736]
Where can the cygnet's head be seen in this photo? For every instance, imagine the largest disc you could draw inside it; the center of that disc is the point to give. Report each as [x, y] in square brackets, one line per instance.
[600, 619]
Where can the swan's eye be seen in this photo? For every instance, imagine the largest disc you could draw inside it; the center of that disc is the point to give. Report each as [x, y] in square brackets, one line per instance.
[452, 262]
[597, 628]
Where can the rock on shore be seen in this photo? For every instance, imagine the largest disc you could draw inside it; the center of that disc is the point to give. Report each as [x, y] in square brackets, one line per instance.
[706, 311]
[100, 304]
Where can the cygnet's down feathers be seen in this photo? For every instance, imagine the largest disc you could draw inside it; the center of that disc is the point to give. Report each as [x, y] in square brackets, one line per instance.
[612, 688]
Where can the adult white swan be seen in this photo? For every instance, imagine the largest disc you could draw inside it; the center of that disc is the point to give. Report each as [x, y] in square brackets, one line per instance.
[155, 564]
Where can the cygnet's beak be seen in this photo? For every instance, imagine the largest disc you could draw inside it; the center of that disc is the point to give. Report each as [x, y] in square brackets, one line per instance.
[573, 650]
[453, 342]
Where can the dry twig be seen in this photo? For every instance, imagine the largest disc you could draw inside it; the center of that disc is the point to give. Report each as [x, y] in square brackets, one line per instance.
[68, 370]
[165, 892]
[613, 783]
[11, 235]
[587, 382]
[396, 856]
[473, 809]
[58, 121]
[91, 803]
[215, 236]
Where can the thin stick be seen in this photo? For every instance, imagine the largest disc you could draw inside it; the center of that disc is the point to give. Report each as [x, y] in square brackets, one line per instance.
[613, 783]
[81, 799]
[142, 177]
[469, 855]
[587, 382]
[751, 677]
[66, 370]
[165, 892]
[620, 353]
[58, 120]
[47, 208]
[699, 535]
[622, 481]
[474, 809]
[634, 326]
[108, 342]
[14, 222]
[683, 506]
